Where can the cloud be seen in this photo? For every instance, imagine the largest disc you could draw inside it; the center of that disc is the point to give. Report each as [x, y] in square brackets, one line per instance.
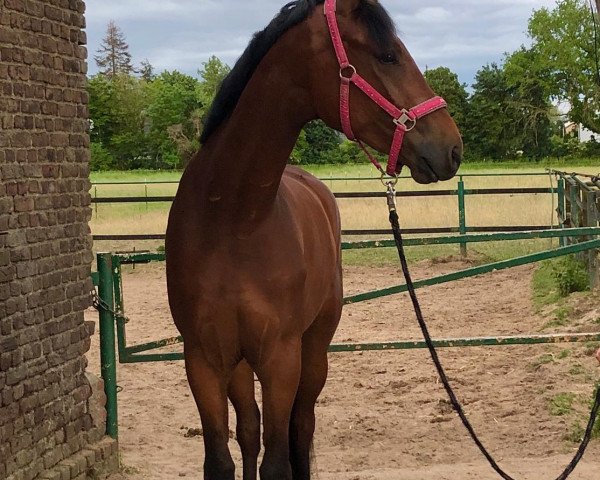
[463, 35]
[106, 10]
[432, 14]
[466, 36]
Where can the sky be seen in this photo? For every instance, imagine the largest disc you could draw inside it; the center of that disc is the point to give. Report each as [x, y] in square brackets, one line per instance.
[462, 35]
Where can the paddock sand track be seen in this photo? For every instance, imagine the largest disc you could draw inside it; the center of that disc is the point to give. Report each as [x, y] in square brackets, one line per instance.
[384, 416]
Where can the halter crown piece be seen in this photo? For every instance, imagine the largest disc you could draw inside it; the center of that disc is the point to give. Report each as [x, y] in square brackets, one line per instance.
[405, 120]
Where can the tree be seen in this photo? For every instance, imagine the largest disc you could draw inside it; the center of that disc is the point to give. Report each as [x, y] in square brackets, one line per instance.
[318, 144]
[117, 130]
[564, 45]
[128, 144]
[445, 83]
[101, 108]
[113, 56]
[147, 70]
[171, 118]
[492, 117]
[212, 74]
[530, 102]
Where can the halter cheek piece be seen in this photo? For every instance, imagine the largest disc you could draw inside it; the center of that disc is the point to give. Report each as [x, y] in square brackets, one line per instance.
[405, 120]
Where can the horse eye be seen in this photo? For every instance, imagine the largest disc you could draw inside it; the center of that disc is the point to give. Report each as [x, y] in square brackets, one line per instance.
[389, 58]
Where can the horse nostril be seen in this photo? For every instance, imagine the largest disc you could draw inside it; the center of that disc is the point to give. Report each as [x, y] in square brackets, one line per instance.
[457, 157]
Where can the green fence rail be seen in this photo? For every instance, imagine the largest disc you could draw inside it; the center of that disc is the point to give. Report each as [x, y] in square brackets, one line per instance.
[461, 193]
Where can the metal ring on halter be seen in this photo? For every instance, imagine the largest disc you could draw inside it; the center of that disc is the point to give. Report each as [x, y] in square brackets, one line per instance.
[405, 120]
[386, 180]
[349, 66]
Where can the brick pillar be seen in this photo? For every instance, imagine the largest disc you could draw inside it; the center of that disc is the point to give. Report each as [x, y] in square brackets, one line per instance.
[46, 427]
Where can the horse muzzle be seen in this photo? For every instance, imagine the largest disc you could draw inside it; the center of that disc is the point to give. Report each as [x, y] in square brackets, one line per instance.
[431, 164]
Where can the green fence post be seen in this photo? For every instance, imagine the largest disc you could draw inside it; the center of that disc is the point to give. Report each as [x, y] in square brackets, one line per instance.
[108, 361]
[592, 221]
[561, 209]
[462, 216]
[120, 309]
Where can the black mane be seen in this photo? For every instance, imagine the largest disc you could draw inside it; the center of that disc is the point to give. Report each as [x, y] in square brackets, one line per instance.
[376, 18]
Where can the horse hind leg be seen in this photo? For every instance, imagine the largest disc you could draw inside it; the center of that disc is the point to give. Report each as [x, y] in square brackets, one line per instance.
[302, 423]
[241, 394]
[209, 387]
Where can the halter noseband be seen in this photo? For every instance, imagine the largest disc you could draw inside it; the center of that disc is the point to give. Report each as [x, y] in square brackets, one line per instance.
[405, 120]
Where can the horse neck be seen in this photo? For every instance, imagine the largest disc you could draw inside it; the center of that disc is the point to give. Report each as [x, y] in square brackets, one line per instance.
[242, 163]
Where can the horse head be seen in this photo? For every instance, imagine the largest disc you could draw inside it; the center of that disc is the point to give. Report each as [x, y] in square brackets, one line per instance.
[357, 44]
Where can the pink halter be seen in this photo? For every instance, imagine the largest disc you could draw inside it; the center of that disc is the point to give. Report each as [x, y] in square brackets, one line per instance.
[405, 120]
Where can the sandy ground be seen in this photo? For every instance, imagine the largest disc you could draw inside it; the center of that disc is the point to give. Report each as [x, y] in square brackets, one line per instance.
[384, 416]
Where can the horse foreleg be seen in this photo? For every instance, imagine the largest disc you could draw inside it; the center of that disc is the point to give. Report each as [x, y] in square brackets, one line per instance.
[209, 387]
[279, 377]
[241, 394]
[302, 425]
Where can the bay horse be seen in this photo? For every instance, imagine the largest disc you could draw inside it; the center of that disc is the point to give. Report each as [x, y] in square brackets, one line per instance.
[253, 247]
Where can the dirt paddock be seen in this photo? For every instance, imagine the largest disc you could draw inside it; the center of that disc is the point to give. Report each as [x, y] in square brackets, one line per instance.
[383, 415]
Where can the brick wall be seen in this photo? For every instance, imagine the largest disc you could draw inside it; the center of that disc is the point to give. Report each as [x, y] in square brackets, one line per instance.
[46, 430]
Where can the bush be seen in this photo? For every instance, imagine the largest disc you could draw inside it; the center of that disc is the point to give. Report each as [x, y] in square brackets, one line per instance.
[592, 148]
[570, 276]
[101, 159]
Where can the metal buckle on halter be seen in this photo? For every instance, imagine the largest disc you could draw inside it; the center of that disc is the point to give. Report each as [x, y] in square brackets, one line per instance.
[405, 120]
[345, 69]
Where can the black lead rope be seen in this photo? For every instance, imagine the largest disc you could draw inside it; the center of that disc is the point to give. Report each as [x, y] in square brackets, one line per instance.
[440, 369]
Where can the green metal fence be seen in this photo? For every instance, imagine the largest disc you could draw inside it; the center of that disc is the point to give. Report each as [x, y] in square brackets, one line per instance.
[581, 240]
[461, 192]
[112, 318]
[579, 205]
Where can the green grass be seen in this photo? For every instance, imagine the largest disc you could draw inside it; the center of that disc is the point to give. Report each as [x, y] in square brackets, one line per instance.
[548, 358]
[544, 359]
[561, 317]
[136, 176]
[478, 254]
[545, 291]
[577, 369]
[366, 170]
[591, 348]
[578, 430]
[380, 257]
[562, 404]
[564, 354]
[514, 166]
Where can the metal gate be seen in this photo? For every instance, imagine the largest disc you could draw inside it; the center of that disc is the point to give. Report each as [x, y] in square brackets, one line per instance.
[578, 210]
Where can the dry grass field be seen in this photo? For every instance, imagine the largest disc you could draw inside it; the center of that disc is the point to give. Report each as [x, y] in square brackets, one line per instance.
[420, 212]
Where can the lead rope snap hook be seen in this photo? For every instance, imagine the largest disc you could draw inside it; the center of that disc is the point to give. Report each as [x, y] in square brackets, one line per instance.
[391, 195]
